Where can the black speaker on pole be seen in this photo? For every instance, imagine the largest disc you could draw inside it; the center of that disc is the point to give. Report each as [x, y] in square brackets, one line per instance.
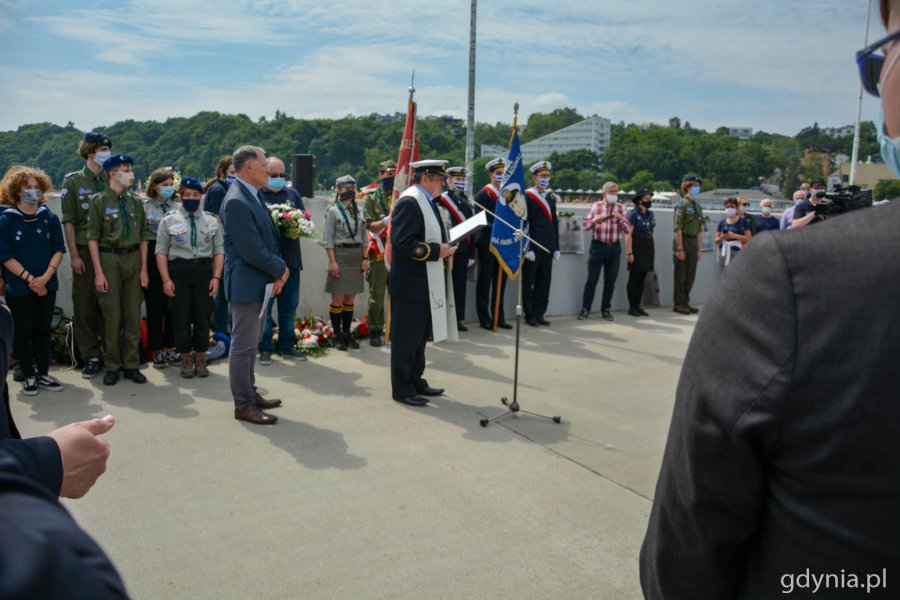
[303, 174]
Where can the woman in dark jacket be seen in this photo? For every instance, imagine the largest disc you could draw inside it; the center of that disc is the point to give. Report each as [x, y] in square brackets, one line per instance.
[640, 250]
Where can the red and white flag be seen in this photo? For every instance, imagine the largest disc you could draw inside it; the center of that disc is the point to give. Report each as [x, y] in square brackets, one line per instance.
[409, 152]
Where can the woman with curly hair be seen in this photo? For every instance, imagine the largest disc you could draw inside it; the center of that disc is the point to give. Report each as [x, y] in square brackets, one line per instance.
[161, 200]
[31, 248]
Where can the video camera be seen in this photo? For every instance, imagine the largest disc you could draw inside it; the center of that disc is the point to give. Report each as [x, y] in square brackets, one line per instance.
[842, 200]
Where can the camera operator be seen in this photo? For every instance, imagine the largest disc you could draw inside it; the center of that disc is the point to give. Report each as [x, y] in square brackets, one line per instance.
[806, 213]
[783, 450]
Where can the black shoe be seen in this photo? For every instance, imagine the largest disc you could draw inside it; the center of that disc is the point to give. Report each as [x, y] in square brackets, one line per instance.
[375, 339]
[634, 312]
[643, 312]
[607, 315]
[486, 326]
[111, 377]
[430, 391]
[133, 374]
[532, 322]
[504, 325]
[351, 342]
[340, 342]
[461, 327]
[543, 321]
[413, 400]
[583, 314]
[692, 309]
[18, 373]
[91, 368]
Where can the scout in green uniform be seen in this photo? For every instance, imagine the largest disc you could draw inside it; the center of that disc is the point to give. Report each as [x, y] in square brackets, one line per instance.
[686, 246]
[75, 197]
[376, 211]
[117, 239]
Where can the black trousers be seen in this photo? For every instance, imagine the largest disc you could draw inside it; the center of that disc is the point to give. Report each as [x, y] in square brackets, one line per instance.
[635, 288]
[536, 276]
[458, 276]
[191, 306]
[159, 319]
[486, 286]
[410, 328]
[31, 341]
[605, 258]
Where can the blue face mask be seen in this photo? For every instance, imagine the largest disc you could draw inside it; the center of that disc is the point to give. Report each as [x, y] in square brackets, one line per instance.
[459, 185]
[695, 190]
[166, 191]
[890, 147]
[799, 201]
[190, 205]
[276, 183]
[544, 182]
[230, 178]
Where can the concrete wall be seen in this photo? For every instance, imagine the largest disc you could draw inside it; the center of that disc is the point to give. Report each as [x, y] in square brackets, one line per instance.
[569, 274]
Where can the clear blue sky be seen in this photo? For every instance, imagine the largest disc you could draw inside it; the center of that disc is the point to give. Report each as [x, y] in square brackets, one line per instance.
[773, 65]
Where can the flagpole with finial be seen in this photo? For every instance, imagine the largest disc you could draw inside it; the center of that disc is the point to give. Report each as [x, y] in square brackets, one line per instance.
[500, 271]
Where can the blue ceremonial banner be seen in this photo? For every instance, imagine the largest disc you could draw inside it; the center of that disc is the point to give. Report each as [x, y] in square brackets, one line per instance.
[511, 208]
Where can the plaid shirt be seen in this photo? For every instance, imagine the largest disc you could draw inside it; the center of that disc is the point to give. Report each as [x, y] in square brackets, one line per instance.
[608, 231]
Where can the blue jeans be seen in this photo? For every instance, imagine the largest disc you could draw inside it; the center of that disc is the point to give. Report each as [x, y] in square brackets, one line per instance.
[606, 258]
[288, 300]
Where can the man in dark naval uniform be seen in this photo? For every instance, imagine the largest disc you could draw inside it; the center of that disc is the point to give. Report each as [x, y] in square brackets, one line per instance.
[488, 267]
[543, 227]
[456, 208]
[417, 238]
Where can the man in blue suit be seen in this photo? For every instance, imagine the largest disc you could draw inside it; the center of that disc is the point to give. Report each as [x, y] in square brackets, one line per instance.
[252, 261]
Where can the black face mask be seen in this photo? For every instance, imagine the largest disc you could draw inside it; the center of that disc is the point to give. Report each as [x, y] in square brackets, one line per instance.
[190, 205]
[387, 184]
[647, 203]
[347, 196]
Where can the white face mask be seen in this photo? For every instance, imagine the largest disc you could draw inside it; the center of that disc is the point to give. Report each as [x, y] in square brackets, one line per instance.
[730, 212]
[544, 182]
[125, 178]
[767, 210]
[31, 196]
[612, 198]
[101, 156]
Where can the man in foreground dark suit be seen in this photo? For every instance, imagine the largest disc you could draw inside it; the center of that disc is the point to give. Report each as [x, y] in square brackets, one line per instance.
[780, 475]
[252, 261]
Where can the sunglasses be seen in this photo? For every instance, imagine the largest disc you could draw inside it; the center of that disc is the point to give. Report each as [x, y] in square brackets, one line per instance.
[870, 64]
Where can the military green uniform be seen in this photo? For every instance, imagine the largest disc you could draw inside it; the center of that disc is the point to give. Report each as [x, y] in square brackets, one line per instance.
[119, 225]
[377, 207]
[689, 220]
[87, 321]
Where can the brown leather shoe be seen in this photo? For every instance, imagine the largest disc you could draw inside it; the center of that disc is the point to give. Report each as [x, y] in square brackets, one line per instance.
[252, 414]
[187, 365]
[263, 403]
[681, 309]
[200, 369]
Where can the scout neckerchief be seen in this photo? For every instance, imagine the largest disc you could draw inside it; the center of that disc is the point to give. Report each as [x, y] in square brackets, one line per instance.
[125, 225]
[193, 233]
[541, 201]
[379, 193]
[343, 210]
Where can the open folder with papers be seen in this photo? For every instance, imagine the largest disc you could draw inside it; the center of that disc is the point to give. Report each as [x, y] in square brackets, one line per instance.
[468, 227]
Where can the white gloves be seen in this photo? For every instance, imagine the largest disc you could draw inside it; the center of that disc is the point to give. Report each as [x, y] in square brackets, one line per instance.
[556, 256]
[470, 262]
[530, 255]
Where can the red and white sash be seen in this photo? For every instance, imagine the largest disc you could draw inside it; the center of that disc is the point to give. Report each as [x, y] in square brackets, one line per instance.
[448, 202]
[492, 191]
[538, 197]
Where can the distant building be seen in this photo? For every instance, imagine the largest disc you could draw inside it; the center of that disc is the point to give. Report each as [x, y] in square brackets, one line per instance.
[838, 132]
[741, 133]
[714, 199]
[868, 174]
[590, 134]
[675, 123]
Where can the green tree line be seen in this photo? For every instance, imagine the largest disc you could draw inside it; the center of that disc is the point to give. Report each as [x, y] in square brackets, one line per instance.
[639, 156]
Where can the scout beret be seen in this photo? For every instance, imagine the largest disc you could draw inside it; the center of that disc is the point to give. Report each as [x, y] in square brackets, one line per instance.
[641, 193]
[95, 137]
[693, 178]
[540, 166]
[387, 165]
[456, 171]
[115, 160]
[189, 183]
[438, 167]
[495, 164]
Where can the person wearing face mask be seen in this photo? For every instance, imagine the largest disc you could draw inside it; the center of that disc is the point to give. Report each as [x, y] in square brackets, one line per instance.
[276, 192]
[640, 249]
[31, 249]
[377, 210]
[732, 233]
[765, 221]
[688, 223]
[161, 199]
[543, 225]
[608, 221]
[216, 188]
[75, 196]
[783, 450]
[348, 259]
[189, 254]
[456, 208]
[486, 290]
[805, 212]
[788, 217]
[117, 239]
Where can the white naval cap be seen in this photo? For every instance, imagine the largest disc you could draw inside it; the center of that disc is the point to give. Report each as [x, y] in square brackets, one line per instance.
[494, 164]
[540, 166]
[430, 166]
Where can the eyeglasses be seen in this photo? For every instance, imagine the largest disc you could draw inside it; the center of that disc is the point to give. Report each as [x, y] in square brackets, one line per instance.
[870, 64]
